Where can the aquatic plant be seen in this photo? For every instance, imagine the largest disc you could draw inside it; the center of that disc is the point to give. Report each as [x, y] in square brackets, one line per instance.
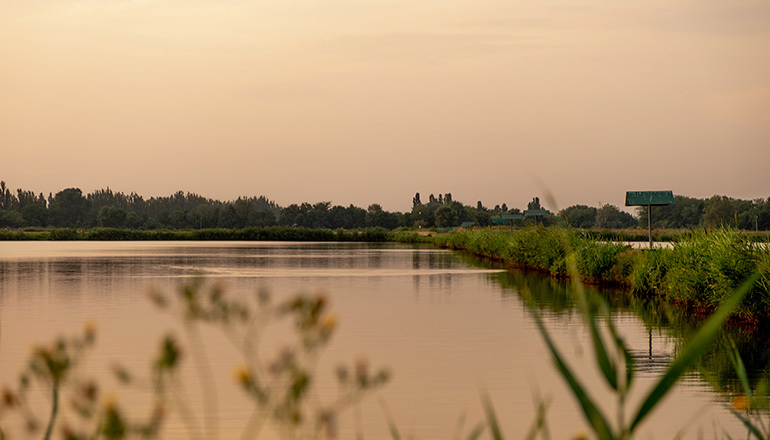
[615, 362]
[700, 270]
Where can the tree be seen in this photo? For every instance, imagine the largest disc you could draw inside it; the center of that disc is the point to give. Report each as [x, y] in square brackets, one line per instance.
[756, 217]
[35, 214]
[375, 216]
[579, 216]
[534, 204]
[685, 212]
[10, 219]
[111, 217]
[445, 216]
[483, 218]
[416, 200]
[720, 211]
[5, 197]
[133, 221]
[69, 208]
[610, 217]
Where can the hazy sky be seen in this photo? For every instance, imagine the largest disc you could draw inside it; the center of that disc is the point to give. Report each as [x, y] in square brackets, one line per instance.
[370, 101]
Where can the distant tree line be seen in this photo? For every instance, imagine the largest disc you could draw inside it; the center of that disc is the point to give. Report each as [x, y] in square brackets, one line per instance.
[70, 208]
[684, 213]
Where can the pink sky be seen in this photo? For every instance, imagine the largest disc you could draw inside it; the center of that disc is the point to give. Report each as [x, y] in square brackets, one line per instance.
[370, 101]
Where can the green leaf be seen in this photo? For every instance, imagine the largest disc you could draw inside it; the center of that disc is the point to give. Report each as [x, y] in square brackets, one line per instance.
[607, 367]
[692, 351]
[592, 414]
[489, 410]
[477, 431]
[752, 428]
[394, 434]
[621, 345]
[740, 369]
[539, 423]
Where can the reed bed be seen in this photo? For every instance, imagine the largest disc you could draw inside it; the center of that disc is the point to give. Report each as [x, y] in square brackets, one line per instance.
[700, 270]
[271, 233]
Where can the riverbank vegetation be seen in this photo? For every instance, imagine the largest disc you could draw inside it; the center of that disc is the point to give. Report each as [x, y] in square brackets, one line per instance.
[699, 271]
[269, 233]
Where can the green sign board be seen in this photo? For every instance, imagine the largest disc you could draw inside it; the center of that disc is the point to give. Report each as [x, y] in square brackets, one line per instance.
[506, 218]
[649, 198]
[536, 213]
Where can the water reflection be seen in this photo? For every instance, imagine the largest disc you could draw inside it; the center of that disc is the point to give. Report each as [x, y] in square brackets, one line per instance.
[667, 327]
[446, 323]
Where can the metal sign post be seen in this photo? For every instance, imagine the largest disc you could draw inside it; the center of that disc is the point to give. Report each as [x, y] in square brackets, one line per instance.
[649, 199]
[511, 217]
[537, 213]
[507, 219]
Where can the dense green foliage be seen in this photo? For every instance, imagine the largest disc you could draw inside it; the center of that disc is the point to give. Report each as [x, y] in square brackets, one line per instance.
[70, 208]
[269, 233]
[688, 212]
[701, 269]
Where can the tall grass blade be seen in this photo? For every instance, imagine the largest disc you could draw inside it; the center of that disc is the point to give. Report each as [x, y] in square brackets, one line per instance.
[477, 431]
[608, 368]
[592, 414]
[540, 422]
[392, 428]
[751, 427]
[489, 410]
[621, 345]
[740, 369]
[692, 351]
[459, 426]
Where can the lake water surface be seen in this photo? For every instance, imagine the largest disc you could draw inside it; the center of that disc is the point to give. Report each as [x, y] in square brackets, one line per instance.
[449, 327]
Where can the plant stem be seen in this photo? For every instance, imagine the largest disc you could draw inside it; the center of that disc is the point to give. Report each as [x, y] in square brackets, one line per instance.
[207, 381]
[54, 410]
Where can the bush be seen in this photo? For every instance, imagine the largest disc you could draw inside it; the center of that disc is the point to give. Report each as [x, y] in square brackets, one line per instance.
[64, 234]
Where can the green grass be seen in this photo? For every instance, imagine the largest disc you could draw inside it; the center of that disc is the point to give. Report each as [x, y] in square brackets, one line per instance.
[273, 233]
[700, 270]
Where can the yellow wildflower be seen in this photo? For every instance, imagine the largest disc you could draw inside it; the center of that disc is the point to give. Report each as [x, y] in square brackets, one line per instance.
[329, 322]
[739, 403]
[242, 375]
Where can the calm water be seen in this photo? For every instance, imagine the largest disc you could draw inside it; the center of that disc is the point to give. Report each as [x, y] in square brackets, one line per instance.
[446, 326]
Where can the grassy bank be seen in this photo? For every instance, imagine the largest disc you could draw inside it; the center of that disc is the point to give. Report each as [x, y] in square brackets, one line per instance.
[660, 235]
[700, 271]
[273, 233]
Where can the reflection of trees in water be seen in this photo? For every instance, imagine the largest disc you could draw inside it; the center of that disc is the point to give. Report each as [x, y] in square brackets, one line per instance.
[434, 260]
[671, 322]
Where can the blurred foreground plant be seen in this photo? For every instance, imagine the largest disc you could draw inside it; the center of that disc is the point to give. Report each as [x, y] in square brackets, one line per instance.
[616, 364]
[281, 389]
[87, 414]
[752, 405]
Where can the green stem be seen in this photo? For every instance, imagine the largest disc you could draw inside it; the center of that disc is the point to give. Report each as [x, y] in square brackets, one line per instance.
[54, 411]
[207, 381]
